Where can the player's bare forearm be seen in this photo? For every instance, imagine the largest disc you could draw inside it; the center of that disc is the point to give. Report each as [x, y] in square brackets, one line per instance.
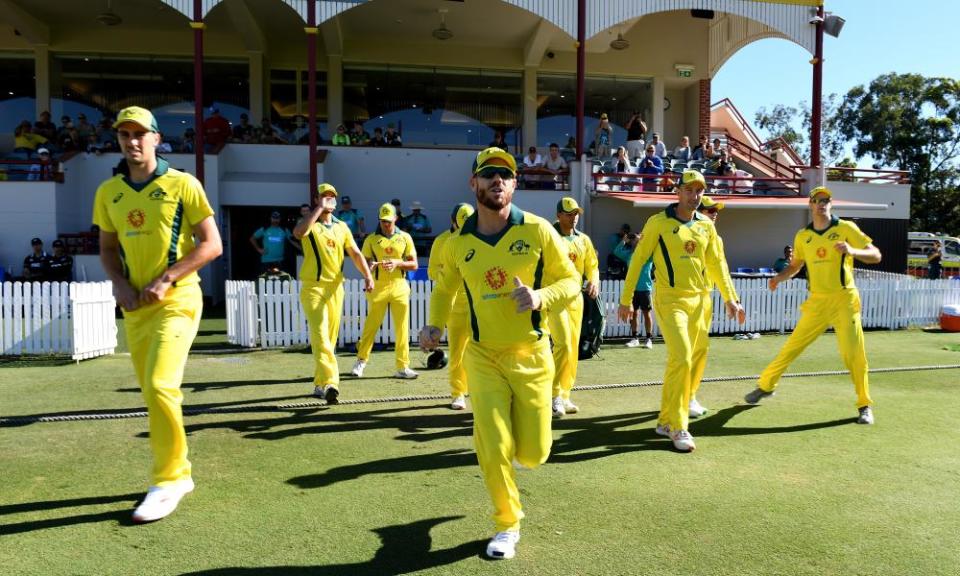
[208, 248]
[869, 255]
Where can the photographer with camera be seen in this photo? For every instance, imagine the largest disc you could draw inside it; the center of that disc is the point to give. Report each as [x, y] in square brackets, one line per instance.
[636, 130]
[650, 164]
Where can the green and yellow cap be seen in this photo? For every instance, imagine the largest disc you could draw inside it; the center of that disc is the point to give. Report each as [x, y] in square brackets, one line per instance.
[325, 188]
[821, 190]
[568, 205]
[708, 202]
[494, 156]
[140, 116]
[692, 177]
[388, 212]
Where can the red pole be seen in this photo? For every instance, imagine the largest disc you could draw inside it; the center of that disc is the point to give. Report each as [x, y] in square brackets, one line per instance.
[197, 25]
[312, 89]
[581, 71]
[817, 108]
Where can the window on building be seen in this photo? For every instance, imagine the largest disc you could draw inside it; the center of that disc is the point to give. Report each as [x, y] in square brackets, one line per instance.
[17, 95]
[435, 106]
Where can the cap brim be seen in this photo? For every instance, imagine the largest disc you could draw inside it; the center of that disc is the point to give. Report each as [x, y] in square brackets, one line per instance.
[119, 123]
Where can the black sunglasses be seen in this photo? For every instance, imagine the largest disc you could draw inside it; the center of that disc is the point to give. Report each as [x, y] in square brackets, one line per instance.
[820, 201]
[710, 210]
[491, 171]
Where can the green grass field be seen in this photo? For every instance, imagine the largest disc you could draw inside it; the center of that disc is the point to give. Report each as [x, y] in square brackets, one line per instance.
[791, 487]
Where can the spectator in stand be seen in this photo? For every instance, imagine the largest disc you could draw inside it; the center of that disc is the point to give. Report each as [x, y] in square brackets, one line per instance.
[401, 219]
[105, 141]
[243, 132]
[299, 131]
[359, 136]
[392, 138]
[271, 243]
[352, 218]
[683, 152]
[621, 162]
[533, 162]
[934, 266]
[603, 136]
[636, 132]
[67, 137]
[571, 145]
[377, 141]
[716, 146]
[60, 266]
[781, 263]
[43, 169]
[85, 132]
[700, 152]
[44, 127]
[499, 141]
[659, 148]
[216, 131]
[418, 225]
[555, 162]
[341, 138]
[37, 264]
[189, 140]
[717, 164]
[24, 139]
[650, 165]
[267, 134]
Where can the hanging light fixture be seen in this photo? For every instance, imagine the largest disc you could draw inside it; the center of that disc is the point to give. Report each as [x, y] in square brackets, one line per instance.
[619, 43]
[109, 18]
[442, 33]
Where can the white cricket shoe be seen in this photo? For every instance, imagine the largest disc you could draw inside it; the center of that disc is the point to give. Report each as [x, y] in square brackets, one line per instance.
[503, 546]
[635, 343]
[459, 403]
[648, 344]
[558, 410]
[866, 415]
[358, 368]
[406, 374]
[683, 441]
[569, 407]
[161, 501]
[696, 409]
[662, 430]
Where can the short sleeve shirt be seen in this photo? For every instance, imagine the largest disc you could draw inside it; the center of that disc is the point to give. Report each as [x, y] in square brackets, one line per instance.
[324, 246]
[274, 241]
[379, 248]
[828, 270]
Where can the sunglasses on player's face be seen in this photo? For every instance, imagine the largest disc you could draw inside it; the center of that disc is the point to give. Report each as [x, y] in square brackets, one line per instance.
[820, 201]
[710, 210]
[491, 171]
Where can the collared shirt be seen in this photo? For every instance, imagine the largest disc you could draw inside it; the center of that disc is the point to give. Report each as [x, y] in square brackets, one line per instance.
[582, 254]
[153, 220]
[528, 248]
[688, 256]
[36, 266]
[829, 270]
[351, 218]
[379, 247]
[324, 246]
[61, 268]
[435, 268]
[274, 239]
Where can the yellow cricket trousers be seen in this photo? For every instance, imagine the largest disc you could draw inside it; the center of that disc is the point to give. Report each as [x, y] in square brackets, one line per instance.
[565, 326]
[396, 293]
[323, 304]
[159, 338]
[510, 388]
[683, 321]
[700, 357]
[458, 334]
[842, 311]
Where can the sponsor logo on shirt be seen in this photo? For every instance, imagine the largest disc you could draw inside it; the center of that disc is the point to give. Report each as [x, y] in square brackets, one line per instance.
[136, 218]
[495, 278]
[573, 257]
[519, 248]
[331, 243]
[690, 246]
[388, 250]
[821, 252]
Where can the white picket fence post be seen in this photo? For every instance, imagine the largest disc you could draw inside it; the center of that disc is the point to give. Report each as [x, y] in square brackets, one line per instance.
[270, 314]
[93, 309]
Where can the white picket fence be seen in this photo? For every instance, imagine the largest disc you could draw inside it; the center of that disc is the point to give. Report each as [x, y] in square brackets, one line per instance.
[269, 314]
[75, 318]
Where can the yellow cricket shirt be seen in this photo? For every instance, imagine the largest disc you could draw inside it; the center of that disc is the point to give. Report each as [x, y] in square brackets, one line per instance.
[528, 248]
[379, 248]
[827, 269]
[688, 256]
[324, 246]
[153, 221]
[582, 254]
[435, 267]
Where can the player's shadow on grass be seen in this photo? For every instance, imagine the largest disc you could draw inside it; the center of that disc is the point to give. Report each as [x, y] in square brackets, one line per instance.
[405, 549]
[120, 516]
[601, 436]
[416, 463]
[718, 424]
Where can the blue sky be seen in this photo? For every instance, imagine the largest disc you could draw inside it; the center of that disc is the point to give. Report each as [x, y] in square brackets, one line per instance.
[880, 36]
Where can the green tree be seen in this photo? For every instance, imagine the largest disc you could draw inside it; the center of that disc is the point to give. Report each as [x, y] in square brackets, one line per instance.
[913, 123]
[793, 123]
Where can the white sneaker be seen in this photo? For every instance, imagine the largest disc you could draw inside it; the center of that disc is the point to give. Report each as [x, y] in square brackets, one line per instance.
[753, 335]
[683, 441]
[161, 501]
[406, 374]
[358, 368]
[648, 344]
[569, 407]
[866, 415]
[635, 343]
[459, 403]
[662, 430]
[696, 409]
[740, 336]
[503, 546]
[558, 410]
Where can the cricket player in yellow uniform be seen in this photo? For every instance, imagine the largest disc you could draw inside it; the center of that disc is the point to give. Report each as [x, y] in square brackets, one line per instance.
[513, 266]
[458, 324]
[391, 254]
[689, 261]
[827, 247]
[325, 241]
[149, 215]
[567, 321]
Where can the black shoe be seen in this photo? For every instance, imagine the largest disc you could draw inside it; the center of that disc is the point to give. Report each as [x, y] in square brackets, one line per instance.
[331, 395]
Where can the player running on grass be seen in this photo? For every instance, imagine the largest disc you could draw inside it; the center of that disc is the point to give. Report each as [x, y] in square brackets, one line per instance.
[513, 266]
[827, 247]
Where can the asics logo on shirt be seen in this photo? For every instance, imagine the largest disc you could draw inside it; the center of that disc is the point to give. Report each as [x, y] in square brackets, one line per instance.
[469, 255]
[118, 197]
